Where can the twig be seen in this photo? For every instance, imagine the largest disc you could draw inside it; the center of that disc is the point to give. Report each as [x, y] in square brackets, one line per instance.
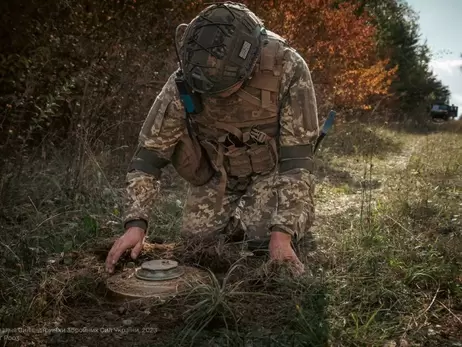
[153, 83]
[433, 300]
[425, 311]
[455, 316]
[12, 252]
[398, 223]
[35, 207]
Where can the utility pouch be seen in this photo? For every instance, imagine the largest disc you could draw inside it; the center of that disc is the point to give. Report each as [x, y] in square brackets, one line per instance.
[262, 158]
[191, 161]
[238, 163]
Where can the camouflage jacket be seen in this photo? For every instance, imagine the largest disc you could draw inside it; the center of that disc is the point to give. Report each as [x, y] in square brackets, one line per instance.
[165, 125]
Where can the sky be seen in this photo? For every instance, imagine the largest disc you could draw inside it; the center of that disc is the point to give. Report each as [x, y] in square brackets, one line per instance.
[441, 26]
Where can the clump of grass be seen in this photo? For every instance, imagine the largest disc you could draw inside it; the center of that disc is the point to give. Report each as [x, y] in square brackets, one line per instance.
[213, 301]
[251, 306]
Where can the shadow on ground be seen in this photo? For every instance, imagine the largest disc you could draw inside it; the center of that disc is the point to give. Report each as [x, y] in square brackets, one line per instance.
[427, 127]
[427, 217]
[341, 178]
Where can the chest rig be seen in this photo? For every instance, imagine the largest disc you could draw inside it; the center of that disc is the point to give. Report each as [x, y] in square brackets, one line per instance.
[239, 132]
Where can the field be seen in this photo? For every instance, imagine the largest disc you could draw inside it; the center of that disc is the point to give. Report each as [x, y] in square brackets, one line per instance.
[384, 260]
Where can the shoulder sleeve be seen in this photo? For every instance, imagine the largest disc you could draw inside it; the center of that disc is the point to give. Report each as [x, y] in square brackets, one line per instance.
[165, 122]
[294, 184]
[298, 111]
[163, 127]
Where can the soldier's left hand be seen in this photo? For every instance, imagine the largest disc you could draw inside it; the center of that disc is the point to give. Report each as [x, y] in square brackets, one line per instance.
[281, 251]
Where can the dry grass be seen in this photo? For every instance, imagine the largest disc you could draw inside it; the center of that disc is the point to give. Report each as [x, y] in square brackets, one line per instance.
[385, 260]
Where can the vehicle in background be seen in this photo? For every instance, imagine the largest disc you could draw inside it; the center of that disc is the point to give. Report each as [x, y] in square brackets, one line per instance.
[443, 112]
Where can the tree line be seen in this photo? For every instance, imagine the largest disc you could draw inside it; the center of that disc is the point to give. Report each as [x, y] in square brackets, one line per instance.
[91, 68]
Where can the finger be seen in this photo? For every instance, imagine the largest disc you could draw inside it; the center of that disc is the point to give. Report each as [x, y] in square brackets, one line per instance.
[109, 267]
[122, 247]
[136, 250]
[298, 267]
[117, 252]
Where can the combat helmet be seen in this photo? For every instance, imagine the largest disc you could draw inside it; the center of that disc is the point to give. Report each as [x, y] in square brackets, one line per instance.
[220, 47]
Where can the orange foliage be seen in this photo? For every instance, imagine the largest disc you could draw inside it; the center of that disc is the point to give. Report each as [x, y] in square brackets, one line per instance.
[338, 45]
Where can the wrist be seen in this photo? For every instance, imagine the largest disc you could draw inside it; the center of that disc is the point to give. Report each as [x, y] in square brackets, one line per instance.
[280, 236]
[137, 223]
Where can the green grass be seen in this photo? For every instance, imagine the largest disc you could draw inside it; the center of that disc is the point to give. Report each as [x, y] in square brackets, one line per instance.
[386, 263]
[398, 266]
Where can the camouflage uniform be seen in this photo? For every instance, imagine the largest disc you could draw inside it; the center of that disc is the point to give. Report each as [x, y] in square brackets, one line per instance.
[255, 204]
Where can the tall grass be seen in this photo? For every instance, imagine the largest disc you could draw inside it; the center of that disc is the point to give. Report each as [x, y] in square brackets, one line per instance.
[386, 258]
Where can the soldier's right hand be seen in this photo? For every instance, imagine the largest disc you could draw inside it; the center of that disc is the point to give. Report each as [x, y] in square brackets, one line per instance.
[133, 239]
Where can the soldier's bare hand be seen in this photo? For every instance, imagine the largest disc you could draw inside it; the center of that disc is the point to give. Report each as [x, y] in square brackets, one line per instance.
[281, 252]
[132, 239]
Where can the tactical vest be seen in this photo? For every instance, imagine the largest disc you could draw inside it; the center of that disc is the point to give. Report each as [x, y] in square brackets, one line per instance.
[239, 132]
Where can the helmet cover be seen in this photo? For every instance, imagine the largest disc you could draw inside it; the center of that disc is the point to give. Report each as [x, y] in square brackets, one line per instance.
[220, 47]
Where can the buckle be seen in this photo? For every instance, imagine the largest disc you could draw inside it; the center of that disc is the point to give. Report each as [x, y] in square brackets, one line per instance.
[259, 136]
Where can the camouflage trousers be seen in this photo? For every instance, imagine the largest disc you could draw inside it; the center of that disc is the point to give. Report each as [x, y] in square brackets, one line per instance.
[249, 210]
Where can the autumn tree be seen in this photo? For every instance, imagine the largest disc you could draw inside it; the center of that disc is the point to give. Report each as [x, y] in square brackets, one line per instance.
[338, 45]
[397, 39]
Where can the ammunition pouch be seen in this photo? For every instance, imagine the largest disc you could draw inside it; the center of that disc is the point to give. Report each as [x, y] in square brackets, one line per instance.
[245, 161]
[263, 158]
[237, 163]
